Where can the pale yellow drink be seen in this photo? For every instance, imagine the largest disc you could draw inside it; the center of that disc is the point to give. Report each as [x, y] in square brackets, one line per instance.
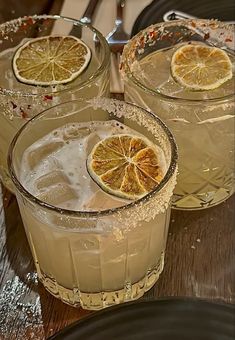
[202, 121]
[89, 247]
[19, 101]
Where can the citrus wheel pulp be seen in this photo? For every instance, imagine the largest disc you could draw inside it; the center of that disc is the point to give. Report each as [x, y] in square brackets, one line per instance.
[200, 67]
[125, 166]
[50, 60]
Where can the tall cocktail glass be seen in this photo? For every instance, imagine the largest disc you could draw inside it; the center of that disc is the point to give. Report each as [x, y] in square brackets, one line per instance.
[18, 101]
[201, 121]
[105, 251]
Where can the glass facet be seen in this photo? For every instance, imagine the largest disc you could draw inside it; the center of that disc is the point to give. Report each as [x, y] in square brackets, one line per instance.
[201, 121]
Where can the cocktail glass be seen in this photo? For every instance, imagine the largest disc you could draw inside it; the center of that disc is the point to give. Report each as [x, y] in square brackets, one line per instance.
[97, 258]
[19, 102]
[201, 121]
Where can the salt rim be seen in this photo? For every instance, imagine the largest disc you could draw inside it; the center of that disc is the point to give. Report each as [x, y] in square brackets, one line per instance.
[14, 24]
[217, 33]
[144, 209]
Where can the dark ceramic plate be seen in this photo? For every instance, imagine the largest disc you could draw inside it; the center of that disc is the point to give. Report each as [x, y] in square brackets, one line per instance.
[164, 319]
[223, 10]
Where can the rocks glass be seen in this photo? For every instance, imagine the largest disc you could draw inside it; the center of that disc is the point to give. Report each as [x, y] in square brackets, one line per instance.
[201, 121]
[103, 257]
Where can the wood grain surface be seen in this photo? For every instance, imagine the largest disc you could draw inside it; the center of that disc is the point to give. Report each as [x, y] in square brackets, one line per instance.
[200, 258]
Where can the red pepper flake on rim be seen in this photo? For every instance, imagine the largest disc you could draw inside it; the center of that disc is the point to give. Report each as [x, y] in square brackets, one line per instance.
[152, 34]
[206, 36]
[47, 97]
[24, 114]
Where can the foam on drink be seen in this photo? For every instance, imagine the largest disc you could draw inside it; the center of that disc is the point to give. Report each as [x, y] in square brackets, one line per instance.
[54, 168]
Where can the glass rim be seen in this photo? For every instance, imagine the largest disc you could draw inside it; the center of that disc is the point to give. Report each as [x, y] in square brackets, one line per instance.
[156, 92]
[93, 213]
[105, 62]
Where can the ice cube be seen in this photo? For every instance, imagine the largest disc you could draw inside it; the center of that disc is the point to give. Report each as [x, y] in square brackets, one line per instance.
[37, 155]
[51, 178]
[74, 132]
[102, 201]
[72, 222]
[92, 140]
[58, 194]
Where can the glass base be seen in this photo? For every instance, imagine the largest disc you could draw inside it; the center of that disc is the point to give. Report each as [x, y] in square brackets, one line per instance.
[96, 301]
[200, 201]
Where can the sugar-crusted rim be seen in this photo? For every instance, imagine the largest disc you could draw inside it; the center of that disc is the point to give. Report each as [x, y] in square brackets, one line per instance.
[95, 214]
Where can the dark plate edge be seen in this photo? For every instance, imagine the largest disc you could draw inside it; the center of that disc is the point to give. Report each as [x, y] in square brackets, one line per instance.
[101, 313]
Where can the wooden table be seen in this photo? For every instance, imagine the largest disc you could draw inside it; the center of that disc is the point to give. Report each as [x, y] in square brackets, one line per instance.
[200, 258]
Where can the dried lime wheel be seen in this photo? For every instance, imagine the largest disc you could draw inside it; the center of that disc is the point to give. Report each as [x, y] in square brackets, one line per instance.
[50, 60]
[200, 67]
[126, 166]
